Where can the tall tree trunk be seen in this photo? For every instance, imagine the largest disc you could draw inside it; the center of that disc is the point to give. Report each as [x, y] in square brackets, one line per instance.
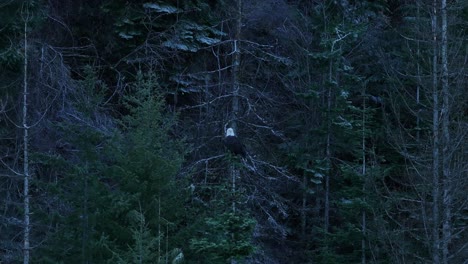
[445, 112]
[85, 218]
[304, 206]
[234, 176]
[235, 98]
[235, 92]
[364, 169]
[419, 82]
[435, 146]
[236, 68]
[328, 150]
[159, 228]
[27, 226]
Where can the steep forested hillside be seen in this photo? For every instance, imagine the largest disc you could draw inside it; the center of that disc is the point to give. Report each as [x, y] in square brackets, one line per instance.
[353, 116]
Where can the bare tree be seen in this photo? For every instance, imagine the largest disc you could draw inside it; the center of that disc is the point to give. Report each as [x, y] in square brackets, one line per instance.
[432, 143]
[435, 144]
[25, 127]
[445, 113]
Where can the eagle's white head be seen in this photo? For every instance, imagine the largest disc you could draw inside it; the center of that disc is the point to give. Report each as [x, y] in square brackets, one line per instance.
[230, 132]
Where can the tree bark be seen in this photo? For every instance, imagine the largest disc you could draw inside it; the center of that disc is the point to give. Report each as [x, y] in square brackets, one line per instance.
[85, 218]
[328, 151]
[419, 82]
[235, 99]
[304, 206]
[445, 112]
[364, 169]
[435, 146]
[25, 127]
[236, 68]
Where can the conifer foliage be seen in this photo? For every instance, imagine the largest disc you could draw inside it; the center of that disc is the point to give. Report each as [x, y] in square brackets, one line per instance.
[353, 115]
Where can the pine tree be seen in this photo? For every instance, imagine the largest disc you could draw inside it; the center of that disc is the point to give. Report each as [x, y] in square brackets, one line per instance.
[121, 187]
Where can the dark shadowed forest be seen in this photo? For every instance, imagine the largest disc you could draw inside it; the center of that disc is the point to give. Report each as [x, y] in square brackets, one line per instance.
[348, 125]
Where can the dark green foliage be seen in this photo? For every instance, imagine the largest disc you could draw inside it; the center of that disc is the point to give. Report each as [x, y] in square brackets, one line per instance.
[338, 112]
[224, 231]
[123, 191]
[16, 17]
[225, 237]
[181, 27]
[144, 248]
[13, 14]
[335, 108]
[144, 164]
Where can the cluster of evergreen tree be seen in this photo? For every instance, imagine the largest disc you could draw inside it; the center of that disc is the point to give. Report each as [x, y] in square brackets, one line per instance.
[353, 113]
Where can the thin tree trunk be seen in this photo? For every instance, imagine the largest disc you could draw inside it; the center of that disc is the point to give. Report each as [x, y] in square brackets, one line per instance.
[445, 112]
[159, 228]
[234, 172]
[328, 152]
[418, 87]
[304, 206]
[364, 168]
[236, 68]
[27, 226]
[235, 98]
[167, 242]
[435, 146]
[85, 224]
[235, 91]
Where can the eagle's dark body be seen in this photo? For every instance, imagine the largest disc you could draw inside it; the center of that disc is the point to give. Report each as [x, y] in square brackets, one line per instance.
[233, 144]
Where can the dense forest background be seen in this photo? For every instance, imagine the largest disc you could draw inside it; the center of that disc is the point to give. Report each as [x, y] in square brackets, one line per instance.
[354, 115]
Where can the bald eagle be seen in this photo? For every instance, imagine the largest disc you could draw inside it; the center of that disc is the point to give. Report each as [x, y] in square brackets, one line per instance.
[233, 144]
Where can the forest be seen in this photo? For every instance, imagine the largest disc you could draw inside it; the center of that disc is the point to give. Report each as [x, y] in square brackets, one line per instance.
[353, 116]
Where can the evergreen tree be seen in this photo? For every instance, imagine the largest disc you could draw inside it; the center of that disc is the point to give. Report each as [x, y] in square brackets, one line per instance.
[121, 189]
[353, 114]
[145, 168]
